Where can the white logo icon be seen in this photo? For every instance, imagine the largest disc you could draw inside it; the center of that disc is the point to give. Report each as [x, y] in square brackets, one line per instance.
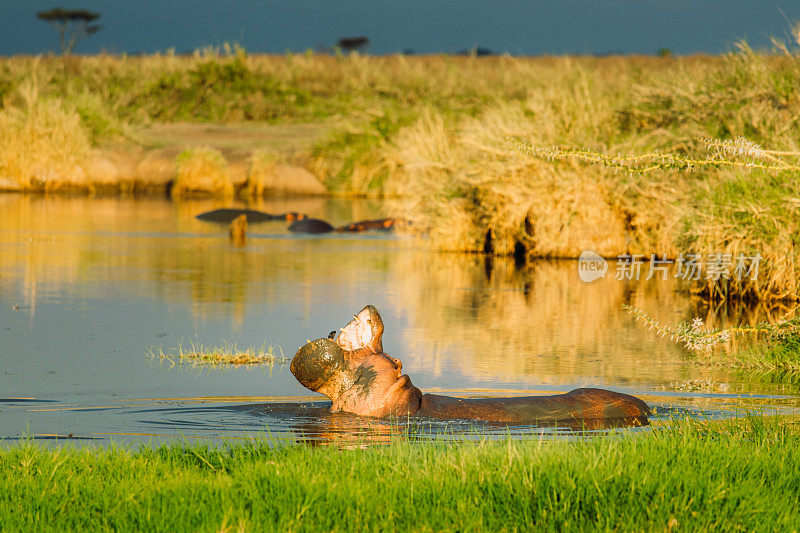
[591, 266]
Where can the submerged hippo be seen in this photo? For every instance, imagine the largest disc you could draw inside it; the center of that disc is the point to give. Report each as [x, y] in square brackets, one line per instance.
[385, 224]
[225, 216]
[310, 225]
[358, 377]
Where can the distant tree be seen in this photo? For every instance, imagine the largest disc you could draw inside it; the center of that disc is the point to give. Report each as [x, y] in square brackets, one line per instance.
[664, 52]
[353, 44]
[73, 25]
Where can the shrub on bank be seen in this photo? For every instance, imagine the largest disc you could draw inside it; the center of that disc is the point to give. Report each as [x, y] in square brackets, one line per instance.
[201, 171]
[43, 145]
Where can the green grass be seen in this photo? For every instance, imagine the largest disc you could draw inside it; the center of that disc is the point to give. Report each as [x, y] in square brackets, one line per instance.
[780, 355]
[734, 476]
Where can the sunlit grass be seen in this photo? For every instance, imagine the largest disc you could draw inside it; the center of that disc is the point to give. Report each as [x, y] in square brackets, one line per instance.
[202, 170]
[656, 155]
[227, 353]
[691, 475]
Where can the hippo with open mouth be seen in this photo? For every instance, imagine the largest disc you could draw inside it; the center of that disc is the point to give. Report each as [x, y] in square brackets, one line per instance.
[354, 372]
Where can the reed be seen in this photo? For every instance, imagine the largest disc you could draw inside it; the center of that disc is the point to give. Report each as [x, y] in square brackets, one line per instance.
[262, 167]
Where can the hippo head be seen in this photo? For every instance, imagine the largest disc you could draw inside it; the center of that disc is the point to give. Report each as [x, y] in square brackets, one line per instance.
[326, 366]
[354, 372]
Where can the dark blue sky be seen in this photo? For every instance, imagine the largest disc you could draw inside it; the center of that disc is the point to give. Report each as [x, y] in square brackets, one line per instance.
[425, 26]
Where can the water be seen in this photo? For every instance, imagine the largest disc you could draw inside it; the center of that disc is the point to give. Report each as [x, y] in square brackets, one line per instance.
[88, 286]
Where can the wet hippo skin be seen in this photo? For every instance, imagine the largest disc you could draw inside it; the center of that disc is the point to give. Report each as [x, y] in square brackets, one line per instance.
[310, 225]
[226, 216]
[359, 378]
[384, 224]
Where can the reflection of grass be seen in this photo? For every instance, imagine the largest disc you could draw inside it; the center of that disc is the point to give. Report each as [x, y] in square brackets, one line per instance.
[228, 353]
[731, 475]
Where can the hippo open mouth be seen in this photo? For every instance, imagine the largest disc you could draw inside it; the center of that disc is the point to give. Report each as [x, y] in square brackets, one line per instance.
[359, 378]
[364, 331]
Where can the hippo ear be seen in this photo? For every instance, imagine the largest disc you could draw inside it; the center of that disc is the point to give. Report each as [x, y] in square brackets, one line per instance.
[364, 331]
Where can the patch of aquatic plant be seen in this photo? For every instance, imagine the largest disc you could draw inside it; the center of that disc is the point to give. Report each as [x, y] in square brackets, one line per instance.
[778, 343]
[685, 474]
[227, 353]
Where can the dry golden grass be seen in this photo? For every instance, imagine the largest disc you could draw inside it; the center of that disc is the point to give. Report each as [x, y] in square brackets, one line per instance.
[202, 171]
[262, 164]
[42, 145]
[433, 130]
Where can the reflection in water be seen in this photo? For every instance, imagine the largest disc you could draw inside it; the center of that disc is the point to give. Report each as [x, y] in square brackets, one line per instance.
[87, 285]
[163, 420]
[542, 321]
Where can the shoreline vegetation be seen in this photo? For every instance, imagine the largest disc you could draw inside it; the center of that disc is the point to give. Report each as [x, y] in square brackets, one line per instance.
[772, 347]
[432, 133]
[744, 474]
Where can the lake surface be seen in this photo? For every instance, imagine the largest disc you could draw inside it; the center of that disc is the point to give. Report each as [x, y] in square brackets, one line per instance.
[89, 285]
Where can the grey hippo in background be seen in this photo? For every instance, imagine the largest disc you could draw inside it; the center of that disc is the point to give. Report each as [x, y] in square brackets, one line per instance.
[300, 223]
[358, 377]
[313, 225]
[226, 216]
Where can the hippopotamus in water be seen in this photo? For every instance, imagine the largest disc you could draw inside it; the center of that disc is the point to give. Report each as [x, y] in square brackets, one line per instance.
[310, 225]
[385, 224]
[226, 216]
[359, 378]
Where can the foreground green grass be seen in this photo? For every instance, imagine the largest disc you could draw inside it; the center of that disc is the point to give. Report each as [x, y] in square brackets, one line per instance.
[740, 475]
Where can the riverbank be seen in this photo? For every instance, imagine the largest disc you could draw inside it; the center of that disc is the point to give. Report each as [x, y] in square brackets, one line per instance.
[433, 133]
[730, 475]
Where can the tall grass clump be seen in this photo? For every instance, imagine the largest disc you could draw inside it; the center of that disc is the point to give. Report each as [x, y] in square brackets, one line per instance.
[598, 170]
[743, 204]
[43, 145]
[262, 167]
[200, 171]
